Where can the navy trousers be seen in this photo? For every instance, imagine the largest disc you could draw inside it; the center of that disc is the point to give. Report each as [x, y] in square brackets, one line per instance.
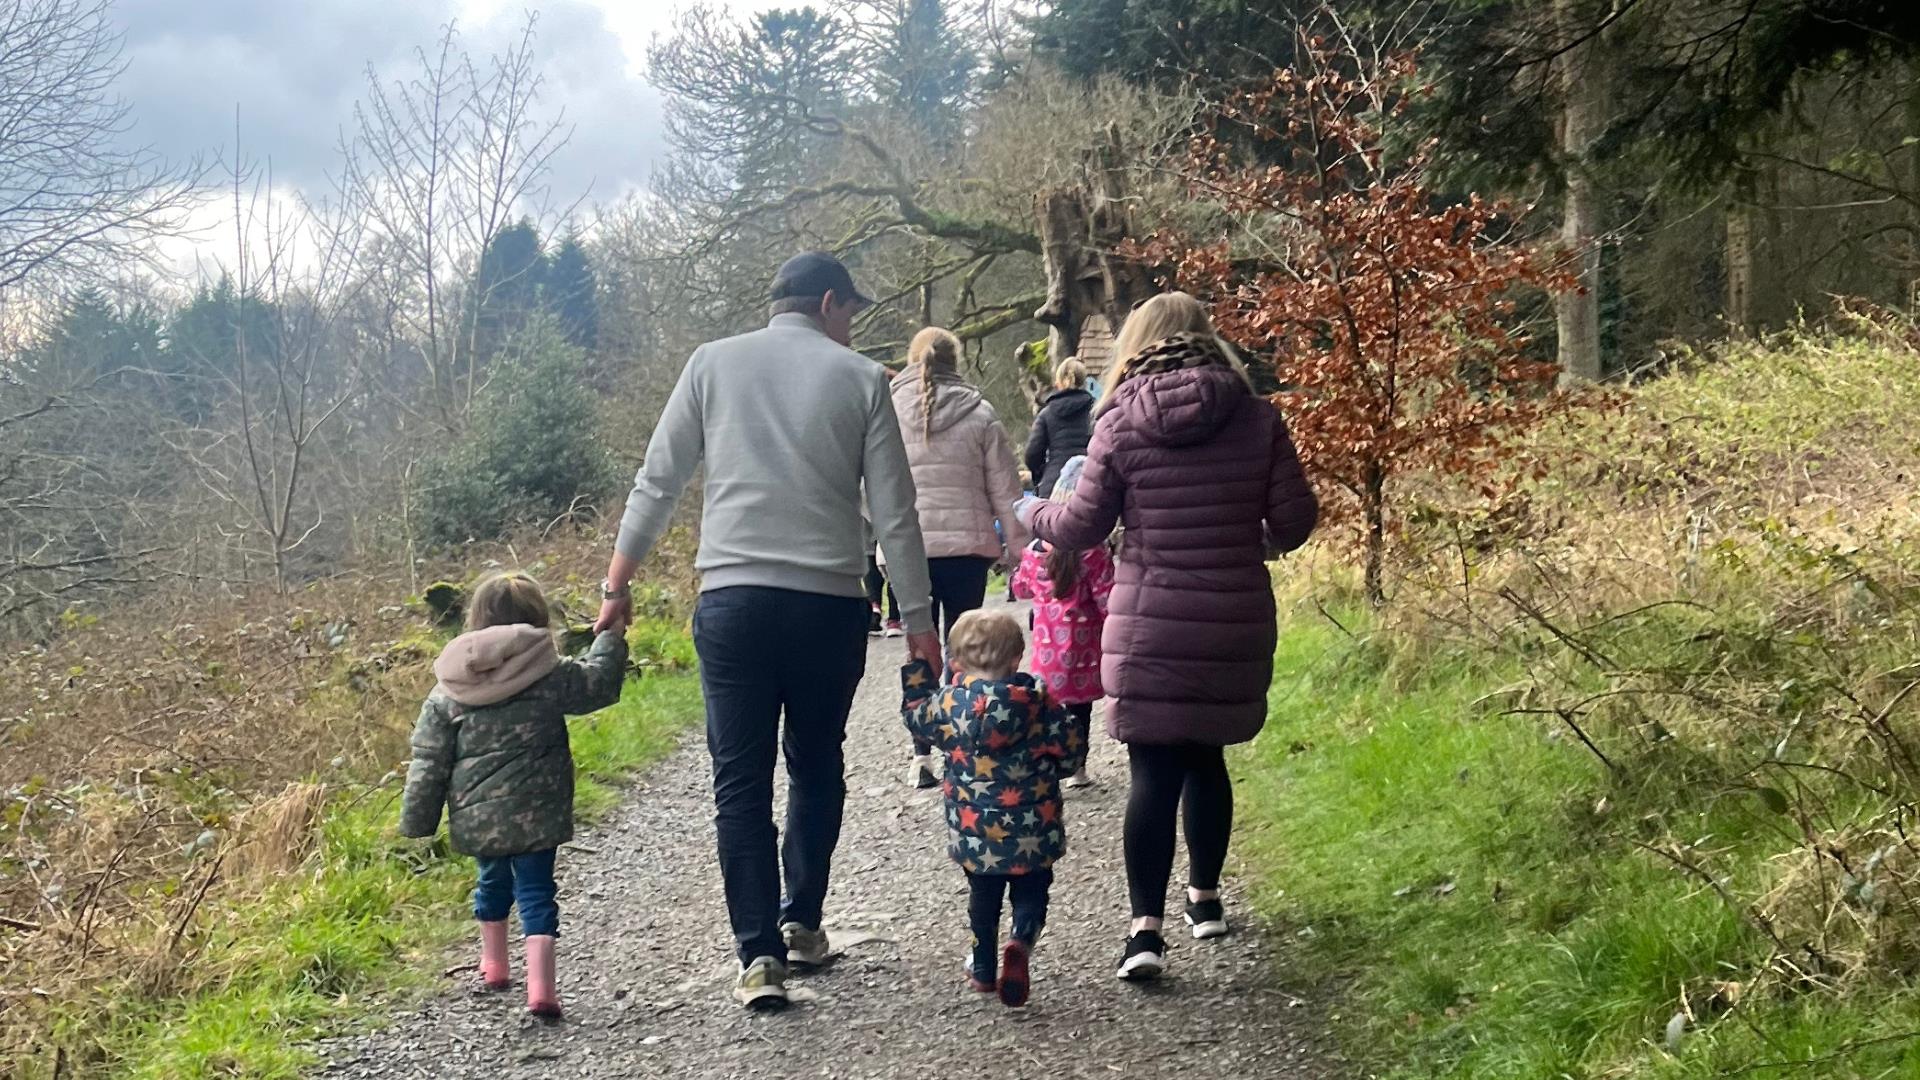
[765, 654]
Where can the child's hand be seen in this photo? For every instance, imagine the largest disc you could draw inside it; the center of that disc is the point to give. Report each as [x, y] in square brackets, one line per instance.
[918, 678]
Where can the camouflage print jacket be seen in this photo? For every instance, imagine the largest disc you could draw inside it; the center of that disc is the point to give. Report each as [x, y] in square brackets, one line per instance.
[503, 768]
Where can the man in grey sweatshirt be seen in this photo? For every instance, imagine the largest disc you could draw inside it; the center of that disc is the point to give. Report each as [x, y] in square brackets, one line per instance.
[794, 427]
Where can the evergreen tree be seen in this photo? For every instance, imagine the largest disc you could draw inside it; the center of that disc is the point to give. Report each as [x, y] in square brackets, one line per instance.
[205, 342]
[507, 287]
[1168, 41]
[746, 98]
[572, 293]
[920, 65]
[94, 336]
[532, 448]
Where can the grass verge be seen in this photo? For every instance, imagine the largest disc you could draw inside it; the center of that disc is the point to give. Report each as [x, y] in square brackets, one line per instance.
[1470, 889]
[369, 916]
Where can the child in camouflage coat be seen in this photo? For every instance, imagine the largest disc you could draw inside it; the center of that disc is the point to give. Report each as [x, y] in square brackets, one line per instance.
[1005, 745]
[491, 746]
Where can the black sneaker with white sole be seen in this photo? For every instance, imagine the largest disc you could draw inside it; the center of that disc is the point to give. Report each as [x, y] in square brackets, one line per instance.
[1146, 957]
[1208, 919]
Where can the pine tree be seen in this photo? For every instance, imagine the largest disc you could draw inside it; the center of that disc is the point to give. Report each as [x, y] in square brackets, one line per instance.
[920, 65]
[210, 341]
[507, 287]
[571, 293]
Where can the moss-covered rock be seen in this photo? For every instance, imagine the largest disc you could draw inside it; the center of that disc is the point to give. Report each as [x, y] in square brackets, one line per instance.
[446, 602]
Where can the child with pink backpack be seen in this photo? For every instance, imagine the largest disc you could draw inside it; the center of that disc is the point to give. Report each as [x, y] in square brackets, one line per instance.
[1069, 590]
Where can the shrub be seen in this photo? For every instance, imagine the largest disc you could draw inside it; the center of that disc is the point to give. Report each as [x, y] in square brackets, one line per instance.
[532, 450]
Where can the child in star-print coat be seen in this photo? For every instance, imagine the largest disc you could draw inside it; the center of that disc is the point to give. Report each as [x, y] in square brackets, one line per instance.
[1005, 746]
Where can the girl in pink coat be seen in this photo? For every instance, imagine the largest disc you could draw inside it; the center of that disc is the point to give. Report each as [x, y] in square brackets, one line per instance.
[1069, 590]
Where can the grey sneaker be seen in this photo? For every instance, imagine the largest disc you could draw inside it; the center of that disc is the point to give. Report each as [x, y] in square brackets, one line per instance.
[762, 985]
[805, 948]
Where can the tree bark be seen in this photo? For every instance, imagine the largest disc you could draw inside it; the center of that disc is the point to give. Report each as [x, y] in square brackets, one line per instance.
[1374, 505]
[1082, 232]
[1739, 257]
[1913, 185]
[1582, 120]
[1064, 234]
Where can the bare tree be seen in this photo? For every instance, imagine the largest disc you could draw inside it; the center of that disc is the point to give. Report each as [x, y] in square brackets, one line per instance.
[71, 197]
[60, 512]
[295, 268]
[440, 163]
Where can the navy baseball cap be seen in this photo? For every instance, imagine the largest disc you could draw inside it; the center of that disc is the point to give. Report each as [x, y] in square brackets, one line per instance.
[815, 273]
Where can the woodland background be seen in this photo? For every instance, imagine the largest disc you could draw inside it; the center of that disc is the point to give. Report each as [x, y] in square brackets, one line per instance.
[1595, 320]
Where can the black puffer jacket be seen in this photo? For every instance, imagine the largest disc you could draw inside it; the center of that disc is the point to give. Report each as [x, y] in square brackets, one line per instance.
[1061, 431]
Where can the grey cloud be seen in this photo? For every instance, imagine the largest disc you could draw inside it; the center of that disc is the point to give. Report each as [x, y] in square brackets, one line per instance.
[294, 68]
[616, 119]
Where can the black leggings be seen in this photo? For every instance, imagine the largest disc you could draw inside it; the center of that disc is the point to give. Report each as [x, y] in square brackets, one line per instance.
[1029, 893]
[959, 586]
[1081, 714]
[1165, 779]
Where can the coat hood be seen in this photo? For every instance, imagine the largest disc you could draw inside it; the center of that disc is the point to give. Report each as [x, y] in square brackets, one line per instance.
[1070, 404]
[1187, 401]
[485, 667]
[953, 400]
[1005, 713]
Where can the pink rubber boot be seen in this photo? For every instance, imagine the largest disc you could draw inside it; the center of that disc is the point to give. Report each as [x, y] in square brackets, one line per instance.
[495, 972]
[543, 1000]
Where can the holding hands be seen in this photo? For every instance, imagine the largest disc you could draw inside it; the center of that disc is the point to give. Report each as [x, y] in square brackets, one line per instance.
[616, 608]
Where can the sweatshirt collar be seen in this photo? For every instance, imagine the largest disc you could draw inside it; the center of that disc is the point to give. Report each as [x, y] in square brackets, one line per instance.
[795, 320]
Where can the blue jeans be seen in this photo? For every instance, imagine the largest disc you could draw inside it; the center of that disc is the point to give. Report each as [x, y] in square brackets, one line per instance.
[526, 880]
[765, 652]
[1029, 894]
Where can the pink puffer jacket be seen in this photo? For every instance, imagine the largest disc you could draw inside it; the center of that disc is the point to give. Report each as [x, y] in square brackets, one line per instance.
[1203, 474]
[963, 472]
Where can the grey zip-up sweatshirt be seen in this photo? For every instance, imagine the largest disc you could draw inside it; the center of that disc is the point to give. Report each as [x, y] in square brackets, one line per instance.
[791, 426]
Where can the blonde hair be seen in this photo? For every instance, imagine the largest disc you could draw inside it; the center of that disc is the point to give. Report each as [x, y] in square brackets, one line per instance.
[508, 599]
[1069, 374]
[934, 351]
[986, 643]
[1159, 318]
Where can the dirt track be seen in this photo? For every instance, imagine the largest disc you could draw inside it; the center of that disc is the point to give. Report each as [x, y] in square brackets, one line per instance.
[646, 958]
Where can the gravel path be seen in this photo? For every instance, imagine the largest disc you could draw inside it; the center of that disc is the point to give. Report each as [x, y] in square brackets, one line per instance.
[646, 960]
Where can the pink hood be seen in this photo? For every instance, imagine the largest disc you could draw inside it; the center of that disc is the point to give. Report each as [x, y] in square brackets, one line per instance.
[488, 666]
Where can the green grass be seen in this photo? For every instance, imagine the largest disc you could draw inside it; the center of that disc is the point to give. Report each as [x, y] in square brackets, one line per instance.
[369, 919]
[1453, 880]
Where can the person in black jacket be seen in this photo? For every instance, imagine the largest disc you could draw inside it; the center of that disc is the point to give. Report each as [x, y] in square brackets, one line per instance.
[1063, 427]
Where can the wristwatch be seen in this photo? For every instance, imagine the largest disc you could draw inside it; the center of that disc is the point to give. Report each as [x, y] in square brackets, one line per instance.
[608, 592]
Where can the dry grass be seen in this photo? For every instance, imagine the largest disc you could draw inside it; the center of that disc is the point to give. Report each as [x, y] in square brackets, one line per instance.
[1717, 588]
[1653, 713]
[180, 754]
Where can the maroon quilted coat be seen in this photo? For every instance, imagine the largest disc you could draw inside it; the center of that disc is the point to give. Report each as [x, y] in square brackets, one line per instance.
[1204, 476]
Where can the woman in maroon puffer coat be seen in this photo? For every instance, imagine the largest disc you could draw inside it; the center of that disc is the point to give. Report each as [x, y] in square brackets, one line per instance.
[1202, 474]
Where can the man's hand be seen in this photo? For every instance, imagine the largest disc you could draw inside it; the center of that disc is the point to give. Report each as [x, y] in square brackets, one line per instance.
[615, 614]
[924, 646]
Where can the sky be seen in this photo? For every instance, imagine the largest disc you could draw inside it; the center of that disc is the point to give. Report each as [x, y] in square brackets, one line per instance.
[294, 68]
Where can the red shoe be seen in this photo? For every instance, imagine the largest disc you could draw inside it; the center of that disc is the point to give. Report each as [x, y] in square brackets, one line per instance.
[543, 1000]
[495, 973]
[1014, 974]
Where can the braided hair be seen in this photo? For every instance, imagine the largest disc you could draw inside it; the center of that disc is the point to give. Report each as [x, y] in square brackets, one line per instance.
[935, 352]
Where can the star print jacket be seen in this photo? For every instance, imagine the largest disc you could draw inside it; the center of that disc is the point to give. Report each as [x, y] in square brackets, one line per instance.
[1005, 745]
